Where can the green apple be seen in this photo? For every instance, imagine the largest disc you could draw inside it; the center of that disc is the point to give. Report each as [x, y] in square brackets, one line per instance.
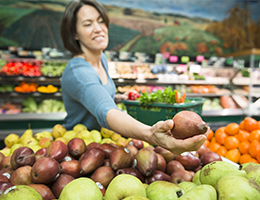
[124, 185]
[81, 189]
[233, 187]
[200, 192]
[164, 190]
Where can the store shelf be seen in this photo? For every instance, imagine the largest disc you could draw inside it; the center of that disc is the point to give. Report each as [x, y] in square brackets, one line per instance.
[161, 82]
[223, 112]
[33, 116]
[34, 94]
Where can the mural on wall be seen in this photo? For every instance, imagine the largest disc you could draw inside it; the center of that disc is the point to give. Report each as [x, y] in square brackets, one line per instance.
[180, 27]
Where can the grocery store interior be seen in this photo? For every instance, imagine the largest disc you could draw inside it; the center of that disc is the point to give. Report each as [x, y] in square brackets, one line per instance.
[206, 49]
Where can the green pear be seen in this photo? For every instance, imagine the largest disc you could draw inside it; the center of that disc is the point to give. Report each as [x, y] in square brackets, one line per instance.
[84, 134]
[253, 172]
[69, 135]
[124, 185]
[196, 178]
[15, 146]
[164, 190]
[79, 127]
[43, 134]
[96, 136]
[30, 141]
[19, 192]
[81, 189]
[213, 171]
[135, 198]
[26, 135]
[187, 185]
[244, 165]
[58, 130]
[200, 192]
[233, 187]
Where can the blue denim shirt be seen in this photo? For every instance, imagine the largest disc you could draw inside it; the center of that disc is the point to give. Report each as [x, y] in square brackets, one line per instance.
[86, 99]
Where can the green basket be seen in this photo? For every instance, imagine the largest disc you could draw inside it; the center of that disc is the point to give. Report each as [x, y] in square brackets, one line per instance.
[151, 113]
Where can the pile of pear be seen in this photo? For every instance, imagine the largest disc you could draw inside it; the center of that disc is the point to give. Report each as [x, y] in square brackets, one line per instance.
[43, 139]
[103, 165]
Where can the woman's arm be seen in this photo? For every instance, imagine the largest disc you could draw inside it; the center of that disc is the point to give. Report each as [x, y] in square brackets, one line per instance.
[159, 134]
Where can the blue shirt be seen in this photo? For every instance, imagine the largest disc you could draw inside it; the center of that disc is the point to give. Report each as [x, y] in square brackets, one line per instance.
[86, 99]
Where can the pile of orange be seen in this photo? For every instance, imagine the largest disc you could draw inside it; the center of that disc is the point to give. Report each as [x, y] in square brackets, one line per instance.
[239, 143]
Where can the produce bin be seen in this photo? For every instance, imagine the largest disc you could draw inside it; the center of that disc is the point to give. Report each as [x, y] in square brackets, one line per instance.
[151, 113]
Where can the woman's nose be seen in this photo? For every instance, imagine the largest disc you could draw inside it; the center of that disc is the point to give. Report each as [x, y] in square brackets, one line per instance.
[97, 27]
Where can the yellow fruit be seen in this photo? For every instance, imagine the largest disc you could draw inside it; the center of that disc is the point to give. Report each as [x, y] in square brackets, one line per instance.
[45, 142]
[122, 142]
[79, 127]
[84, 134]
[96, 136]
[107, 140]
[64, 140]
[11, 139]
[35, 147]
[146, 144]
[58, 131]
[115, 137]
[88, 141]
[69, 135]
[106, 133]
[15, 146]
[43, 134]
[26, 135]
[6, 151]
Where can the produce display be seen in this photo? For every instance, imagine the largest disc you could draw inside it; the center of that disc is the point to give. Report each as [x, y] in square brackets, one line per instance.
[239, 143]
[101, 164]
[30, 68]
[45, 106]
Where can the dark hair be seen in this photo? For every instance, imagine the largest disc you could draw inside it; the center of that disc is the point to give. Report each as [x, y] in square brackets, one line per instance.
[69, 19]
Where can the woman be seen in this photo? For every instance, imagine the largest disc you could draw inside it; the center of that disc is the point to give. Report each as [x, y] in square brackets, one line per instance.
[88, 91]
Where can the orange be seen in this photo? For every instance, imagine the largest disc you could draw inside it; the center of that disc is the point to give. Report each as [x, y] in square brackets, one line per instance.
[232, 129]
[254, 148]
[231, 142]
[250, 124]
[214, 146]
[243, 135]
[233, 155]
[210, 135]
[245, 158]
[241, 125]
[222, 151]
[206, 143]
[221, 129]
[220, 137]
[243, 147]
[258, 157]
[254, 135]
[253, 160]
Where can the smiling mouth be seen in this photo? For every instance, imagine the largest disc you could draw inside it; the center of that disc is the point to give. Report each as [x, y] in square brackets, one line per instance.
[98, 38]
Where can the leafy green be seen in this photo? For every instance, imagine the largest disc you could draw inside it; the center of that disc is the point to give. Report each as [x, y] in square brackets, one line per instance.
[165, 96]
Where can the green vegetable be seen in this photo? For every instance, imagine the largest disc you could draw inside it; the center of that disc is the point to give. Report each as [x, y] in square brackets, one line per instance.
[166, 96]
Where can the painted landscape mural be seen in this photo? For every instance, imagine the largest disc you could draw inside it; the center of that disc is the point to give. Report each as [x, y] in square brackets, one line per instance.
[180, 27]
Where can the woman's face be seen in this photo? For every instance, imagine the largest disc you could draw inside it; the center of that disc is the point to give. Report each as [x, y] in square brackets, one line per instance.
[92, 32]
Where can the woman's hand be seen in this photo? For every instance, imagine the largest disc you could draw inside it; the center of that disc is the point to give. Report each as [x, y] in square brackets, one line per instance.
[161, 136]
